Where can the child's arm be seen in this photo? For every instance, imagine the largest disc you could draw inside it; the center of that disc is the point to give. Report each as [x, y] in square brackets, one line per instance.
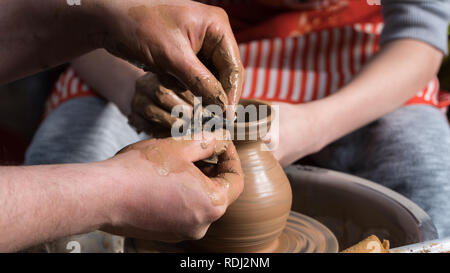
[393, 76]
[413, 43]
[110, 77]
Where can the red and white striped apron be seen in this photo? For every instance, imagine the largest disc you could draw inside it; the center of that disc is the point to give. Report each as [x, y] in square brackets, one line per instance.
[292, 57]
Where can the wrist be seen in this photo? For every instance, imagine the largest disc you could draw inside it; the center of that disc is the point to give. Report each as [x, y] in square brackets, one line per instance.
[335, 116]
[125, 97]
[86, 21]
[102, 192]
[113, 18]
[96, 26]
[316, 124]
[113, 197]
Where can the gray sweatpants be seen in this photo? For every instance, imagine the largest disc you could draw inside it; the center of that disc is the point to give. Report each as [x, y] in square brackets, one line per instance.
[407, 150]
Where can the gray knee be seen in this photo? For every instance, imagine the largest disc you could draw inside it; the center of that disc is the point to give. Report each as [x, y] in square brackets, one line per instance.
[413, 144]
[410, 153]
[80, 130]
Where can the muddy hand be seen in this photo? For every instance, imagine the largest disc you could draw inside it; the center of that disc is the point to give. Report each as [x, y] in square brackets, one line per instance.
[152, 104]
[151, 110]
[161, 195]
[187, 41]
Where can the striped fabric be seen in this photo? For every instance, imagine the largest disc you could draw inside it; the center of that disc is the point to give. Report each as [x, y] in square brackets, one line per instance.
[67, 87]
[308, 67]
[299, 65]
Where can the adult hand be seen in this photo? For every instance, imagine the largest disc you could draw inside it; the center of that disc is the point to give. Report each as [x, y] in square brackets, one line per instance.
[297, 135]
[185, 42]
[162, 195]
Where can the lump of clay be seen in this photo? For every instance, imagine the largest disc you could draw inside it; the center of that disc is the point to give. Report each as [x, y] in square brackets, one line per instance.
[369, 245]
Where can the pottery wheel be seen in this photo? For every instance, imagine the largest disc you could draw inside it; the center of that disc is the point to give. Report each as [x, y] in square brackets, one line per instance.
[302, 234]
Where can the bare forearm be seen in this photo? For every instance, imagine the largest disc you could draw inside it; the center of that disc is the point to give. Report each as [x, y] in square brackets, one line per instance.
[36, 35]
[41, 203]
[111, 77]
[400, 70]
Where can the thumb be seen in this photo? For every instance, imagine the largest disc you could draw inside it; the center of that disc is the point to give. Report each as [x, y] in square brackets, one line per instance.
[200, 146]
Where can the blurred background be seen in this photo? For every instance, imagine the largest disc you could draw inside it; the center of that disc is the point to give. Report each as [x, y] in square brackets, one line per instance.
[21, 108]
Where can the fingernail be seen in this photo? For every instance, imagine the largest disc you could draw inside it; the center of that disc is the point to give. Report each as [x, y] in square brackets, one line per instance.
[223, 99]
[207, 139]
[231, 112]
[204, 145]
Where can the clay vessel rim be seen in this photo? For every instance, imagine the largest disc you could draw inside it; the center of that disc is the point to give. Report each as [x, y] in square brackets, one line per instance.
[259, 122]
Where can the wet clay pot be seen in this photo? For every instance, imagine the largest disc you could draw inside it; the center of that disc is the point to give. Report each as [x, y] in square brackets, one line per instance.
[254, 222]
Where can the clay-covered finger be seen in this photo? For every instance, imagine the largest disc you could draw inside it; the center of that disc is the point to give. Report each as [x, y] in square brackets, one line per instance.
[168, 99]
[199, 146]
[147, 108]
[170, 82]
[158, 115]
[188, 96]
[161, 92]
[147, 83]
[223, 139]
[221, 53]
[197, 78]
[228, 64]
[230, 174]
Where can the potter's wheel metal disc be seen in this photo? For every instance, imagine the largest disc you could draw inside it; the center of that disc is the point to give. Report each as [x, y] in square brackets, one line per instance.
[303, 234]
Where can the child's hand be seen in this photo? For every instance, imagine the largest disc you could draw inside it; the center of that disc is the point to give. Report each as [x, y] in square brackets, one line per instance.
[298, 134]
[152, 104]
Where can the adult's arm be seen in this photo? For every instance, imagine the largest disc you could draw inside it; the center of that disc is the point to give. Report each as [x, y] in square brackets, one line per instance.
[150, 190]
[37, 35]
[41, 203]
[178, 39]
